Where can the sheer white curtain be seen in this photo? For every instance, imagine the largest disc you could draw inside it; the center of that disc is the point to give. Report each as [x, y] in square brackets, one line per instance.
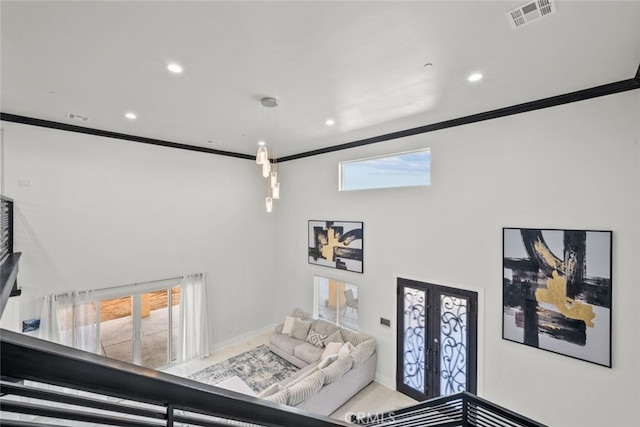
[70, 319]
[193, 336]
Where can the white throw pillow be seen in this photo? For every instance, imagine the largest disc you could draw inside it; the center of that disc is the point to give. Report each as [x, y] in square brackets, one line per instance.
[331, 349]
[345, 349]
[327, 361]
[288, 324]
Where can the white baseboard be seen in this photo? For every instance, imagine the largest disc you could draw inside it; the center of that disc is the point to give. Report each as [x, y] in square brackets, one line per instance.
[239, 338]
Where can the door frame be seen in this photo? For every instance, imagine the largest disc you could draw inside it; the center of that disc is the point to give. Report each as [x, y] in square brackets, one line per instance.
[432, 317]
[135, 292]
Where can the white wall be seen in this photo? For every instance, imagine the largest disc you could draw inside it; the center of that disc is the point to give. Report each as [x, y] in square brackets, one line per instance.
[575, 166]
[94, 212]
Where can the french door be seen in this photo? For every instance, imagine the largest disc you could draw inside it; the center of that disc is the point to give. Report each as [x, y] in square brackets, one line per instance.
[436, 340]
[140, 328]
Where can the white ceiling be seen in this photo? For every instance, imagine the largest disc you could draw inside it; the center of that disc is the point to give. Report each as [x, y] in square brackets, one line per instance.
[360, 63]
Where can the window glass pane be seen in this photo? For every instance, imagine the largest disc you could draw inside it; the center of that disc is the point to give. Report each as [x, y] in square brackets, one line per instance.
[453, 345]
[396, 170]
[336, 302]
[414, 339]
[349, 313]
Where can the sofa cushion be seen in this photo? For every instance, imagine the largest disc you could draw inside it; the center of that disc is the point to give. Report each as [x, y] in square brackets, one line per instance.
[300, 329]
[325, 327]
[302, 372]
[316, 338]
[307, 352]
[288, 324]
[326, 361]
[301, 314]
[272, 389]
[331, 349]
[284, 342]
[308, 373]
[345, 349]
[362, 352]
[354, 337]
[337, 369]
[305, 388]
[334, 337]
[280, 397]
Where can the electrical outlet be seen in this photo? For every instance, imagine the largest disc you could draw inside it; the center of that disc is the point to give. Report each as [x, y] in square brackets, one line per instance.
[385, 322]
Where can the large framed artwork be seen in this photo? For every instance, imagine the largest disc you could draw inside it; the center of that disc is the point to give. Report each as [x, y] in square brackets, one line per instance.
[557, 291]
[336, 244]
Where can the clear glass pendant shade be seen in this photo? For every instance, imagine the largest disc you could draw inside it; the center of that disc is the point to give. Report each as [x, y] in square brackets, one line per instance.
[266, 169]
[269, 204]
[275, 190]
[262, 156]
[274, 178]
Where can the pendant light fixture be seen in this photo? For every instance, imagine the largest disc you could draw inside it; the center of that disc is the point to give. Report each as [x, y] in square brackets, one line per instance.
[269, 170]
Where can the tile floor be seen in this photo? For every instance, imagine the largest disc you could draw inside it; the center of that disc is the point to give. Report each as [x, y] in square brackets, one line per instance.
[372, 399]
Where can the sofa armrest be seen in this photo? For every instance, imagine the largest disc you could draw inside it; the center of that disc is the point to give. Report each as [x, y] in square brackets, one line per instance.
[278, 328]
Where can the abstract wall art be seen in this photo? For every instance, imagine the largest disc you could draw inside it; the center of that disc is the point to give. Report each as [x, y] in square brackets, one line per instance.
[557, 291]
[336, 244]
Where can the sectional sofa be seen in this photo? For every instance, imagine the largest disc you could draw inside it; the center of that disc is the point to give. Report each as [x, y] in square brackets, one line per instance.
[336, 363]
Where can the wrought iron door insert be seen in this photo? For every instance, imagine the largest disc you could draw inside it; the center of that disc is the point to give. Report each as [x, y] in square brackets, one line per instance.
[437, 340]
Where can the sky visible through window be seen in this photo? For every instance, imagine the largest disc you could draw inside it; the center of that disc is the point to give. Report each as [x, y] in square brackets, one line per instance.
[397, 170]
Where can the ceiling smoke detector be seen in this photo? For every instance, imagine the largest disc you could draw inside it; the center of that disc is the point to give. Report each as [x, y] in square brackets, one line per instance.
[530, 12]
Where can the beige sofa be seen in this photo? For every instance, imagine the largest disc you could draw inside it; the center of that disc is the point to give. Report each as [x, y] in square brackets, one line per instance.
[323, 384]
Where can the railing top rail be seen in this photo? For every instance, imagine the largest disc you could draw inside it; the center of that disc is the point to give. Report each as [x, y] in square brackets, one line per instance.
[6, 199]
[26, 357]
[501, 411]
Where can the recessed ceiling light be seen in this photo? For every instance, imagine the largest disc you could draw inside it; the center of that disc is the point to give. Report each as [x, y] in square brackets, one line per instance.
[474, 77]
[330, 122]
[174, 68]
[131, 116]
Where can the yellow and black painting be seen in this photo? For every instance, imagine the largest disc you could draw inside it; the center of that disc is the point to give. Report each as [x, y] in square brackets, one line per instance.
[336, 244]
[557, 291]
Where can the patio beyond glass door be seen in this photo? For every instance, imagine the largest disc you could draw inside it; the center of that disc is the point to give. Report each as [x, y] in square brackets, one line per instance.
[437, 340]
[141, 328]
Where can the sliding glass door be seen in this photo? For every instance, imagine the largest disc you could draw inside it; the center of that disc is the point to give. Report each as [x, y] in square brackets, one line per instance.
[140, 328]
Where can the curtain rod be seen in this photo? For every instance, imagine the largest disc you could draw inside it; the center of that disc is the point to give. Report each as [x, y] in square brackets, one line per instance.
[122, 286]
[136, 284]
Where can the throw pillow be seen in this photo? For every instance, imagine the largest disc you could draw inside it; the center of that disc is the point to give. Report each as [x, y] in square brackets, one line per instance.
[300, 329]
[316, 339]
[334, 337]
[332, 348]
[272, 389]
[327, 361]
[288, 324]
[345, 349]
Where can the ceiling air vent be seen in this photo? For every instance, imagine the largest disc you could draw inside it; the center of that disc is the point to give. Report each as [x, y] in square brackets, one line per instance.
[78, 117]
[530, 12]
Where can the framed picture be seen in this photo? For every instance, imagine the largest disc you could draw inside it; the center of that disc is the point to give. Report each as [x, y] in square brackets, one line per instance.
[557, 291]
[336, 244]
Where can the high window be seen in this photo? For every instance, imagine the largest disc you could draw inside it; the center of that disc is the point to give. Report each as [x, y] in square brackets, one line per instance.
[407, 169]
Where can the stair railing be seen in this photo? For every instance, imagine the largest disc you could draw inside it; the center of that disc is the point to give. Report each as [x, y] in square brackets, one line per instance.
[44, 383]
[456, 410]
